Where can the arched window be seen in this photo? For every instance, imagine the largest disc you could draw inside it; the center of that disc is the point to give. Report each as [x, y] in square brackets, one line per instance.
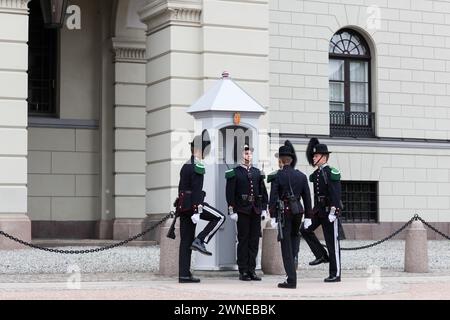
[350, 89]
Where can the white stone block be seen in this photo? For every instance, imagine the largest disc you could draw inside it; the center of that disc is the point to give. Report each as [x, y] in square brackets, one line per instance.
[130, 94]
[47, 185]
[49, 139]
[130, 184]
[75, 163]
[39, 162]
[130, 162]
[13, 113]
[13, 85]
[129, 207]
[87, 185]
[234, 41]
[240, 67]
[75, 209]
[13, 27]
[13, 170]
[39, 208]
[14, 56]
[13, 142]
[87, 140]
[130, 139]
[13, 199]
[235, 14]
[130, 117]
[130, 73]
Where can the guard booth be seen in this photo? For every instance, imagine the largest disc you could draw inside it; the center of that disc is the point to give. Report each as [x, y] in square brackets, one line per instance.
[231, 117]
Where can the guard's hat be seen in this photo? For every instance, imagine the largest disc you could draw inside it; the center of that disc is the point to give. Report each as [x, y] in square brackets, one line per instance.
[202, 141]
[287, 150]
[315, 147]
[246, 147]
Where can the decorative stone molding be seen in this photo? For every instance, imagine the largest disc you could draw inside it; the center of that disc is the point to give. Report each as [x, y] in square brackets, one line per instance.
[129, 51]
[159, 14]
[14, 6]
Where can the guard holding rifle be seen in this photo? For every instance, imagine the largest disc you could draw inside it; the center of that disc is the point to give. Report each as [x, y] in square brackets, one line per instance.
[190, 208]
[288, 186]
[247, 200]
[327, 207]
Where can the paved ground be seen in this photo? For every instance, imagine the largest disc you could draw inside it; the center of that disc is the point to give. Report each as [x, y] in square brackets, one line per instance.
[148, 286]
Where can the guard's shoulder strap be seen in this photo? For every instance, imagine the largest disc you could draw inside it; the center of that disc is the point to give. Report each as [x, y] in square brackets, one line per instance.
[335, 174]
[230, 174]
[272, 176]
[199, 168]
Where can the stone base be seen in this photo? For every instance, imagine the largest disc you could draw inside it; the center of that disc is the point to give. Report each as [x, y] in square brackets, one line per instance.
[104, 229]
[17, 225]
[65, 229]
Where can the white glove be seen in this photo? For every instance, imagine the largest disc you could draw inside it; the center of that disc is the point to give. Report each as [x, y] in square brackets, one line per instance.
[264, 215]
[199, 208]
[273, 223]
[234, 216]
[195, 218]
[332, 217]
[307, 223]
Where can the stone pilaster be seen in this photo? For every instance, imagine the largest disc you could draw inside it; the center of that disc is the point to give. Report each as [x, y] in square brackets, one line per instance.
[173, 82]
[13, 121]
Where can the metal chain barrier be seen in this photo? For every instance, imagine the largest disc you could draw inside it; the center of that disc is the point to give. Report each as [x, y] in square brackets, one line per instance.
[73, 252]
[171, 214]
[415, 218]
[432, 228]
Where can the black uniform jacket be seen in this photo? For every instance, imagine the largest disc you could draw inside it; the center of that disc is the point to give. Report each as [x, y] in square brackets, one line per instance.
[327, 191]
[246, 191]
[190, 193]
[280, 190]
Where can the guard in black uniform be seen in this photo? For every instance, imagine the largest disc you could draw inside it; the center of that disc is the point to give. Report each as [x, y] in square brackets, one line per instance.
[327, 207]
[288, 186]
[190, 207]
[247, 202]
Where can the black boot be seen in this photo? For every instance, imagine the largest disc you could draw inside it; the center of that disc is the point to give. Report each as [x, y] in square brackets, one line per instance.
[332, 279]
[244, 277]
[287, 285]
[319, 261]
[189, 279]
[253, 276]
[199, 246]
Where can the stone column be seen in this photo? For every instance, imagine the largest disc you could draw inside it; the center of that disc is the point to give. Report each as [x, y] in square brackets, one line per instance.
[13, 121]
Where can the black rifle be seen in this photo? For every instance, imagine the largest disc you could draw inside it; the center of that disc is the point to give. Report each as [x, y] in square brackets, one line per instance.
[171, 232]
[280, 219]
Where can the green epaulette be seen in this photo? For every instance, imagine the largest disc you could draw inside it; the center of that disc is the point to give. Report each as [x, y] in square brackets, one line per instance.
[311, 177]
[199, 168]
[271, 176]
[230, 174]
[335, 174]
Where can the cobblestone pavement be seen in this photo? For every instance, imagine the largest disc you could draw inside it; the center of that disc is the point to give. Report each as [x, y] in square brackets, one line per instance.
[225, 286]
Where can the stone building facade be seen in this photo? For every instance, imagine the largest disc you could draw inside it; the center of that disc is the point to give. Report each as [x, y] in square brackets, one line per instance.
[371, 78]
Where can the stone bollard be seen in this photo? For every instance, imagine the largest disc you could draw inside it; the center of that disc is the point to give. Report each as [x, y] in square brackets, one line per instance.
[416, 248]
[271, 260]
[168, 256]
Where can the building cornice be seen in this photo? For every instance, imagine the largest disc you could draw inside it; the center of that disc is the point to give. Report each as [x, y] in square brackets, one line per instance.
[14, 6]
[129, 51]
[159, 14]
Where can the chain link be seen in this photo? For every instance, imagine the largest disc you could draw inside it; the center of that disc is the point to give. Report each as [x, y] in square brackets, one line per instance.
[73, 252]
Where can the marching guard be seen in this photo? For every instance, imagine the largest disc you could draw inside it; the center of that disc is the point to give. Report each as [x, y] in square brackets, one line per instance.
[327, 207]
[190, 207]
